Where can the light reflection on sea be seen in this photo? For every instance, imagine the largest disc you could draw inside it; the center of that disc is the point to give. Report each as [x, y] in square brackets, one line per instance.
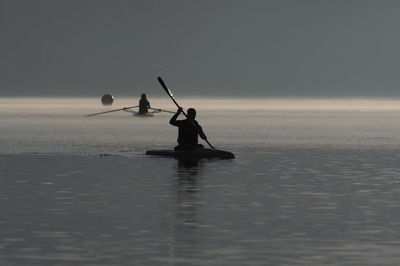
[306, 188]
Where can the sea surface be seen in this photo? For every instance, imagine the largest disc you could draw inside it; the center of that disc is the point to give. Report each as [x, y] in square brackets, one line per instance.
[314, 182]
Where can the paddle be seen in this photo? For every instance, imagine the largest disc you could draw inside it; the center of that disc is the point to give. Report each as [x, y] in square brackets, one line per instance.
[172, 98]
[130, 111]
[161, 110]
[113, 110]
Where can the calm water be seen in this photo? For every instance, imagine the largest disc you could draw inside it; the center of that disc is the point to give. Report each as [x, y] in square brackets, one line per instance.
[314, 183]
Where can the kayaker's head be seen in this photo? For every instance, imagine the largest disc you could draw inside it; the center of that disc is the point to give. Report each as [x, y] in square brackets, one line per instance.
[143, 96]
[191, 113]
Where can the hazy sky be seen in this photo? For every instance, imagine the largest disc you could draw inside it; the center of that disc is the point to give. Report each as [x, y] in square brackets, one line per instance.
[206, 48]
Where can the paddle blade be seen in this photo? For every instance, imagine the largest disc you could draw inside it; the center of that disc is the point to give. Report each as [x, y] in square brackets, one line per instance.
[164, 86]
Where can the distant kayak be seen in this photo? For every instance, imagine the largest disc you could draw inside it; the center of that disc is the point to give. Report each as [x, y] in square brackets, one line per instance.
[143, 114]
[193, 154]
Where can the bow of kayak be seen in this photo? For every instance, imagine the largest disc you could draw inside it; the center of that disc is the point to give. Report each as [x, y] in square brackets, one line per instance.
[193, 154]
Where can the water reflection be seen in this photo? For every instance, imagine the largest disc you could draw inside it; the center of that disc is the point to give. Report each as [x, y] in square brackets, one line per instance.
[188, 174]
[188, 198]
[188, 167]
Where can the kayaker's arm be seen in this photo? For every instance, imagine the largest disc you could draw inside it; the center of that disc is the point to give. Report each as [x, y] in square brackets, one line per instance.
[172, 121]
[202, 135]
[200, 131]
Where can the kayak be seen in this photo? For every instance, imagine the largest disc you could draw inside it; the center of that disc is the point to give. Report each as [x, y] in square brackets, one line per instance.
[200, 153]
[143, 114]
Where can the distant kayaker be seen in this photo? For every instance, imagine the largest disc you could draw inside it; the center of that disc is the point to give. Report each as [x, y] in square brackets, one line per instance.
[189, 130]
[144, 104]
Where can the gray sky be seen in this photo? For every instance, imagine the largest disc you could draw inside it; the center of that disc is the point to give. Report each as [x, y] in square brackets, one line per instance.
[229, 48]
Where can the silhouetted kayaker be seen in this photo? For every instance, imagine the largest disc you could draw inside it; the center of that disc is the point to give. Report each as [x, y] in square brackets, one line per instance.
[144, 104]
[189, 130]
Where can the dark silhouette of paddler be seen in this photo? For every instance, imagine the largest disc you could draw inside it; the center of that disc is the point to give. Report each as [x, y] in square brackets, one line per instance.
[189, 130]
[144, 104]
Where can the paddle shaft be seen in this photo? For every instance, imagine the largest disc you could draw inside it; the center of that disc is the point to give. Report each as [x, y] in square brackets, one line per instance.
[161, 110]
[112, 111]
[172, 98]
